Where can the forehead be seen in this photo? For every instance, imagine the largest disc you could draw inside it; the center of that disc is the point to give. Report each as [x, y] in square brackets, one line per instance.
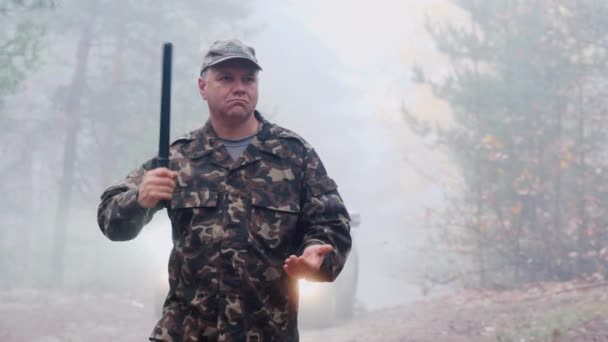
[236, 64]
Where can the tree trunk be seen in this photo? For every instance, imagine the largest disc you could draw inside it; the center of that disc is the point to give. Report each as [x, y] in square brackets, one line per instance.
[557, 221]
[72, 121]
[115, 102]
[582, 216]
[25, 220]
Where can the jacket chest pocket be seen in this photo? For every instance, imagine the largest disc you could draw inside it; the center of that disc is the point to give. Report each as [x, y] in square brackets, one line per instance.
[193, 207]
[273, 220]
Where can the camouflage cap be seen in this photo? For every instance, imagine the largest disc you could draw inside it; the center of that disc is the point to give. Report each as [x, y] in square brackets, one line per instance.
[223, 50]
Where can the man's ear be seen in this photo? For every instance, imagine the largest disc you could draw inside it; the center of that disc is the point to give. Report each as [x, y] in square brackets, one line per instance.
[201, 87]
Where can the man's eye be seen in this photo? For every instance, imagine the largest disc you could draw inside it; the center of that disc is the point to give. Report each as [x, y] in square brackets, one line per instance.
[225, 78]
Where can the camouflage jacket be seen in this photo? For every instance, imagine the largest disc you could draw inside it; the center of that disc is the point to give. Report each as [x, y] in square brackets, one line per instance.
[234, 224]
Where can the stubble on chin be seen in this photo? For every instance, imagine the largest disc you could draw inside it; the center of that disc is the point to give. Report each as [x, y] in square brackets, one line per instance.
[237, 117]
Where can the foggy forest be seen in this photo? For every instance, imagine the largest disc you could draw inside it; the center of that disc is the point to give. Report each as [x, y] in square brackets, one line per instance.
[468, 139]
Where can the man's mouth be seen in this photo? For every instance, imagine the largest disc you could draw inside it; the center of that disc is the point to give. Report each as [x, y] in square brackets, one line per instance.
[238, 101]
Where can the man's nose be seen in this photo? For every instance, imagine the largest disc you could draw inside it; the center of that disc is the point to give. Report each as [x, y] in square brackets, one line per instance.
[239, 86]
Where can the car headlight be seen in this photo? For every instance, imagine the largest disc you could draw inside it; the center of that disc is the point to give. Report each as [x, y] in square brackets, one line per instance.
[163, 279]
[309, 288]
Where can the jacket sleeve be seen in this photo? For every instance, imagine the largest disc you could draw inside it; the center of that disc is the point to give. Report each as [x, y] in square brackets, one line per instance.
[324, 219]
[119, 215]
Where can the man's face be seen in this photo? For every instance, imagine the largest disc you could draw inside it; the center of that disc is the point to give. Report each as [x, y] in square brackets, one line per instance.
[231, 90]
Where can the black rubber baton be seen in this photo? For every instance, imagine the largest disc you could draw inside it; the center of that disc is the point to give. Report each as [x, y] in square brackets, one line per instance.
[165, 107]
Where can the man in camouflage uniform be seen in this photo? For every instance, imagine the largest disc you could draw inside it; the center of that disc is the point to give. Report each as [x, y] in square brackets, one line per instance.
[252, 209]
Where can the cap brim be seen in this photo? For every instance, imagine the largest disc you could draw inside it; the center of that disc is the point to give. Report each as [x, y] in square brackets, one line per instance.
[224, 59]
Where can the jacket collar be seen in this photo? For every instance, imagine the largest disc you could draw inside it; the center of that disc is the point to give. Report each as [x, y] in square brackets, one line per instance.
[204, 141]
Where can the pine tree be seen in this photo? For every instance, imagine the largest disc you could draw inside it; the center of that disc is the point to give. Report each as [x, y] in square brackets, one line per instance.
[527, 135]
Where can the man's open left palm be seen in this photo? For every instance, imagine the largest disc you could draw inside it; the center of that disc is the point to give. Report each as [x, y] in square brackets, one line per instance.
[308, 263]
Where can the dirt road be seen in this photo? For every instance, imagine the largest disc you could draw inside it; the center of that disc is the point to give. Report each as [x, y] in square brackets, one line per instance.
[544, 312]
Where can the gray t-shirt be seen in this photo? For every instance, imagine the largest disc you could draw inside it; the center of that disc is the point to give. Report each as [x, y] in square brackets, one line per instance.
[236, 147]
